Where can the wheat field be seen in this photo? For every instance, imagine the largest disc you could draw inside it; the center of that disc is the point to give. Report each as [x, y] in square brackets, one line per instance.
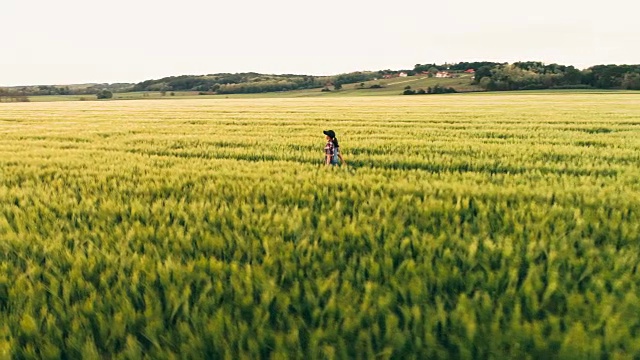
[465, 226]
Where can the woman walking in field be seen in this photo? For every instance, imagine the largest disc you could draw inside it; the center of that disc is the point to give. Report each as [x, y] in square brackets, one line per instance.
[332, 155]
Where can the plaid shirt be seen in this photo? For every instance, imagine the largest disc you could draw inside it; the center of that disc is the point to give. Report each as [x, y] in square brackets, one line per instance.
[329, 149]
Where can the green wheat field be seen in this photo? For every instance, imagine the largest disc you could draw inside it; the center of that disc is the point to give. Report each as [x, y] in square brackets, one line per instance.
[486, 226]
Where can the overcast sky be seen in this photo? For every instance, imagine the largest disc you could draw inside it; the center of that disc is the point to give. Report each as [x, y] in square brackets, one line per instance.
[80, 41]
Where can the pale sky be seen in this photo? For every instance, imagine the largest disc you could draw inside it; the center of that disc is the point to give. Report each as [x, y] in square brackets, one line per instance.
[107, 41]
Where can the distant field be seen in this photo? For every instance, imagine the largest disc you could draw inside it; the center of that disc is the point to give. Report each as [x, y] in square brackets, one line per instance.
[502, 225]
[391, 87]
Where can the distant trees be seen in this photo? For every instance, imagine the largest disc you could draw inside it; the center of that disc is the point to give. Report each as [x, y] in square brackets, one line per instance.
[437, 89]
[356, 77]
[104, 94]
[51, 90]
[252, 82]
[14, 98]
[534, 75]
[421, 68]
[572, 76]
[631, 81]
[537, 75]
[430, 68]
[226, 83]
[7, 95]
[255, 87]
[461, 66]
[482, 72]
[203, 83]
[527, 75]
[513, 77]
[612, 76]
[22, 93]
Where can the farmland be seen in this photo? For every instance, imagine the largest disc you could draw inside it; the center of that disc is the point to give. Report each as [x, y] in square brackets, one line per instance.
[388, 87]
[466, 226]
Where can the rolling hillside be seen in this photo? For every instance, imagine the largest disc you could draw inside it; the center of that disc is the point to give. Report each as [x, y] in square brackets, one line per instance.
[393, 86]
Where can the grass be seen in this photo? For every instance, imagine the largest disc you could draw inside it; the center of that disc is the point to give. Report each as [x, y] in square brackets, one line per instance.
[481, 225]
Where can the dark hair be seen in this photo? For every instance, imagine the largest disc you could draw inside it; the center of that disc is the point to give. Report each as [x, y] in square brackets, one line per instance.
[335, 142]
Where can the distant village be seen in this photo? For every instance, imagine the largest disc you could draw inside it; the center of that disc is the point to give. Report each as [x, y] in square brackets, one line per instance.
[439, 74]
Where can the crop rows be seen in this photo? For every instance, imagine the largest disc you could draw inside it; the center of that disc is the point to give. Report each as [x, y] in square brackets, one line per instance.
[475, 226]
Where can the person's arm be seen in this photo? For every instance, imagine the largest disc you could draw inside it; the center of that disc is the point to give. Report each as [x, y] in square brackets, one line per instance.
[341, 159]
[328, 154]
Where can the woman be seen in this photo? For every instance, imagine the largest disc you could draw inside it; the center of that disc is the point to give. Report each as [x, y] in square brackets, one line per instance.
[332, 155]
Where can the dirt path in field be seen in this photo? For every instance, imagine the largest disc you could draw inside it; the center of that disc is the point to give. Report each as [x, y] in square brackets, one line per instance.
[406, 81]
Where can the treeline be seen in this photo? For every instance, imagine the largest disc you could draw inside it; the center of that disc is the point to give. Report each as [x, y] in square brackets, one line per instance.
[22, 93]
[12, 96]
[437, 89]
[459, 67]
[245, 83]
[537, 75]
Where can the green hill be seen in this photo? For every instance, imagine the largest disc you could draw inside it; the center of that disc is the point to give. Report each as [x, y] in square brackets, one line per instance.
[396, 85]
[488, 76]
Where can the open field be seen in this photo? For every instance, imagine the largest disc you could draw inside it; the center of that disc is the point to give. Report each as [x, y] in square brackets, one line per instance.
[467, 226]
